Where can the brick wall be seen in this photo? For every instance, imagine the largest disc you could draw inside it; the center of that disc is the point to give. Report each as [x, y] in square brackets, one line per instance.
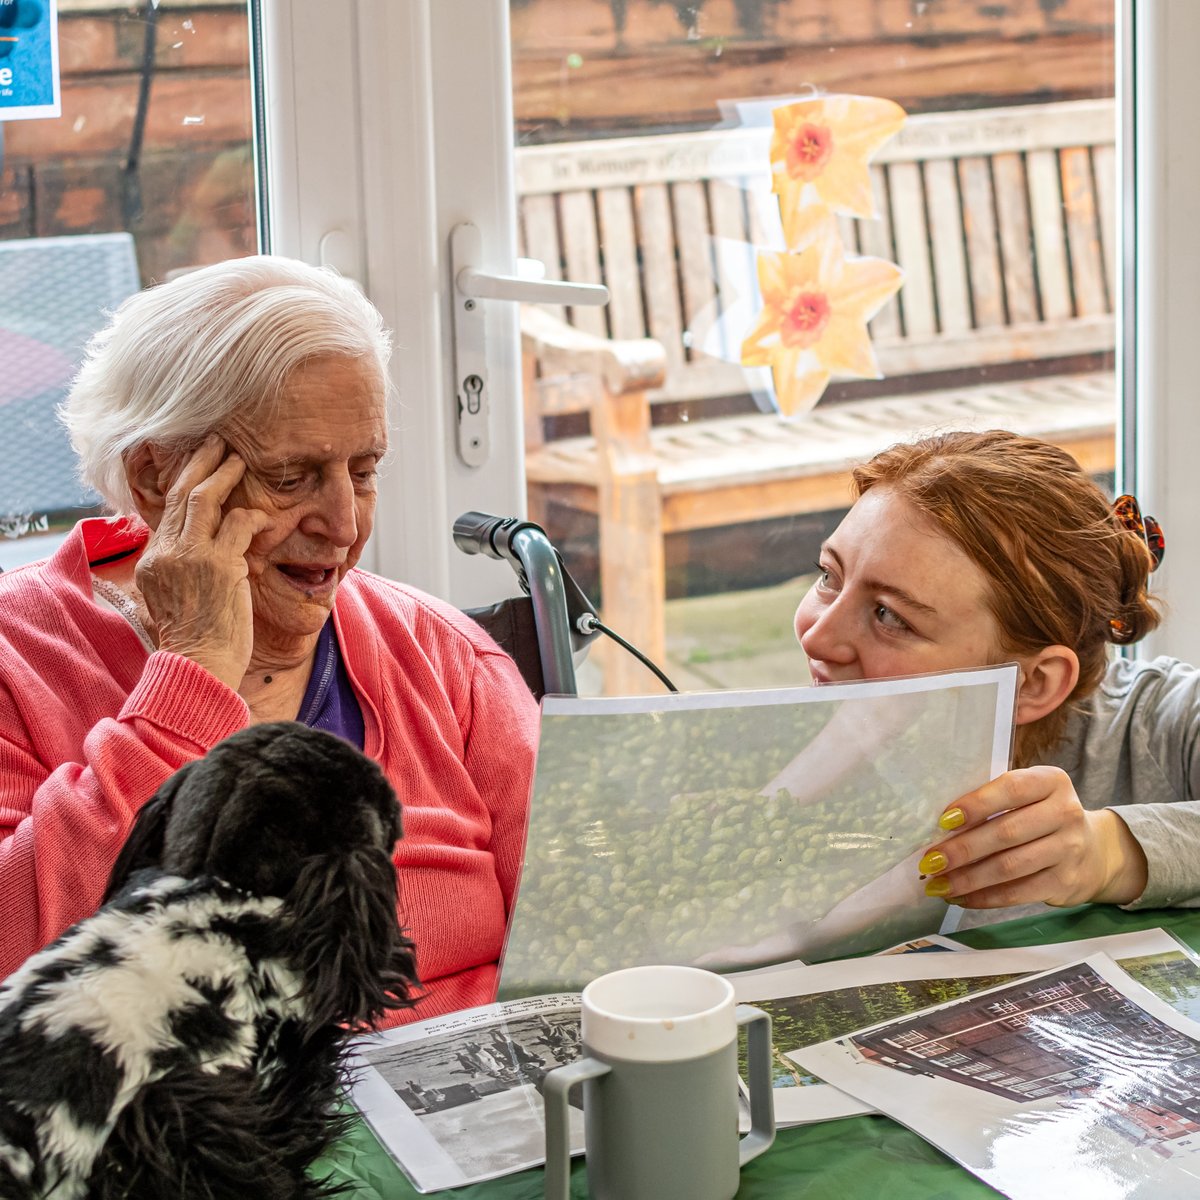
[581, 68]
[590, 66]
[190, 197]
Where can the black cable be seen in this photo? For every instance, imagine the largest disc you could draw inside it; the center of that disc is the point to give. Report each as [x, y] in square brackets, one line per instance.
[483, 533]
[590, 621]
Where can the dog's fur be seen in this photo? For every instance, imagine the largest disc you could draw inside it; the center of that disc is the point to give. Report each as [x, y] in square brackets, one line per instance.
[188, 1040]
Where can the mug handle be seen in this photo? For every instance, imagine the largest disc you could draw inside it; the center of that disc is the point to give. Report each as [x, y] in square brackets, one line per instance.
[555, 1088]
[762, 1100]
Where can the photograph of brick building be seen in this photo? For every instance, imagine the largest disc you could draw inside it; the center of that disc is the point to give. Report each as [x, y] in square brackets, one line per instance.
[1068, 1034]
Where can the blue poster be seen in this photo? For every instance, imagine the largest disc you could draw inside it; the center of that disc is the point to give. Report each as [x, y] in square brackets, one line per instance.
[29, 59]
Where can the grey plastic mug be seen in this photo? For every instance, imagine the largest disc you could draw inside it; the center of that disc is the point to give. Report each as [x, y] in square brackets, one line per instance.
[660, 1096]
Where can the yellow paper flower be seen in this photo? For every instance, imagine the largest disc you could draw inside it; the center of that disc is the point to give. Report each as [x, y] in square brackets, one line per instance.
[819, 155]
[813, 325]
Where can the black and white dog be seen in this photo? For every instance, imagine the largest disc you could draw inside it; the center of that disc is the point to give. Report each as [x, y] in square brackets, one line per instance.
[189, 1039]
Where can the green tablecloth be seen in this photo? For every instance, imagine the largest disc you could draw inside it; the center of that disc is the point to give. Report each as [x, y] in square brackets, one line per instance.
[835, 1160]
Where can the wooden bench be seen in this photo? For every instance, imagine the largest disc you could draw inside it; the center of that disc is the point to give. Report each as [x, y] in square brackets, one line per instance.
[1004, 222]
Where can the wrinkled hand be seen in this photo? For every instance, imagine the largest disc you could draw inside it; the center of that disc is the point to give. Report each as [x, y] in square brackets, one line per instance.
[1024, 838]
[194, 576]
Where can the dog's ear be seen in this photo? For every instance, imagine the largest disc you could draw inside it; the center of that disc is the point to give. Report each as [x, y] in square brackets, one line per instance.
[147, 836]
[346, 941]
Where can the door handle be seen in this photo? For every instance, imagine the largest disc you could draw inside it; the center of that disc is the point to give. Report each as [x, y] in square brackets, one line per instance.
[481, 285]
[472, 285]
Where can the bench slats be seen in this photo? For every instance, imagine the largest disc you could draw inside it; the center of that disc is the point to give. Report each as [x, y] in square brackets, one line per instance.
[875, 239]
[760, 204]
[1012, 215]
[540, 226]
[733, 252]
[659, 276]
[848, 232]
[983, 253]
[581, 250]
[692, 245]
[1104, 165]
[1049, 245]
[946, 239]
[1083, 238]
[912, 250]
[725, 204]
[621, 268]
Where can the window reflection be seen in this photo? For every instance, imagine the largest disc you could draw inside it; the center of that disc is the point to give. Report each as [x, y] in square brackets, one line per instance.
[148, 171]
[643, 130]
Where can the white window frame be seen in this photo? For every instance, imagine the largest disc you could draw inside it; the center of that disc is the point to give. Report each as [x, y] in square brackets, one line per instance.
[384, 129]
[390, 126]
[1164, 435]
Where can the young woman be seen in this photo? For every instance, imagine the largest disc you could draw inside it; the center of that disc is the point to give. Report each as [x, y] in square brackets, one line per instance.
[976, 548]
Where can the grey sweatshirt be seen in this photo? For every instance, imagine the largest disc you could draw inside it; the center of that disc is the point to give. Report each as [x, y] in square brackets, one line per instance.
[1134, 748]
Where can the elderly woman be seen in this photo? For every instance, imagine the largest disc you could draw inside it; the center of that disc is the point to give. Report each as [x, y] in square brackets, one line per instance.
[234, 419]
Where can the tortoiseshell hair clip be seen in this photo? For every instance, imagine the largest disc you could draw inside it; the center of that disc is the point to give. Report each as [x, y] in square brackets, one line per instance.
[1128, 515]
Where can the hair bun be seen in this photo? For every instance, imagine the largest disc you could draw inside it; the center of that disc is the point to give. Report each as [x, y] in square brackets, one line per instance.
[1138, 615]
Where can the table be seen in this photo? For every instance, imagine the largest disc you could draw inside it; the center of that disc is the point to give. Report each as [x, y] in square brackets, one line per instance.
[860, 1157]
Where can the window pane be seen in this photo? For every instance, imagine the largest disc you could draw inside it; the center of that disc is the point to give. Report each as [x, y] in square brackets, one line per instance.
[147, 171]
[645, 135]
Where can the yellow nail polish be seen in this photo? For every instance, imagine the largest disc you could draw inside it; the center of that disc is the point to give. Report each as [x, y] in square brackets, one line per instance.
[937, 887]
[932, 863]
[952, 818]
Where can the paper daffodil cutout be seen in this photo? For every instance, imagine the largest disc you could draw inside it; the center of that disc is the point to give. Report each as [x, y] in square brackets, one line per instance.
[819, 155]
[813, 325]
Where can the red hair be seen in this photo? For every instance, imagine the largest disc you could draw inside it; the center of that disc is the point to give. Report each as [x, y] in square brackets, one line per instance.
[1060, 569]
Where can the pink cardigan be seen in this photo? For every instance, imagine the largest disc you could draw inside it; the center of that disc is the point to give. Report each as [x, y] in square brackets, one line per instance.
[90, 725]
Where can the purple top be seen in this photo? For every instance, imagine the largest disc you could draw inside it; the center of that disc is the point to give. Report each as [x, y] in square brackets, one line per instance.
[329, 701]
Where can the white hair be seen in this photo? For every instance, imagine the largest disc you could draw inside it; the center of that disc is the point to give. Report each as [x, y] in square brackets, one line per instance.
[177, 361]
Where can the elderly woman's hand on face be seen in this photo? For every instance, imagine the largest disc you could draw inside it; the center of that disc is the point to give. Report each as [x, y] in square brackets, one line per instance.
[1025, 838]
[194, 576]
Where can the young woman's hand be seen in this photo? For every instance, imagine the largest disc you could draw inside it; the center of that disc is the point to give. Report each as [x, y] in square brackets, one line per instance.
[1025, 838]
[193, 576]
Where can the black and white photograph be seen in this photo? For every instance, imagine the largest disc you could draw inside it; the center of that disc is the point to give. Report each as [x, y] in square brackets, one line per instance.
[448, 1072]
[458, 1098]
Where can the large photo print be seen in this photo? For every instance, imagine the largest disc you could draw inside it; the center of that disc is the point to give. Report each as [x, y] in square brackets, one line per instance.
[735, 829]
